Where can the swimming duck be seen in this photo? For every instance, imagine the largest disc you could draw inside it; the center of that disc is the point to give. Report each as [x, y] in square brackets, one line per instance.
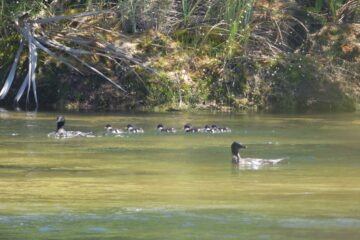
[110, 130]
[250, 162]
[209, 129]
[189, 129]
[132, 129]
[161, 128]
[62, 133]
[220, 129]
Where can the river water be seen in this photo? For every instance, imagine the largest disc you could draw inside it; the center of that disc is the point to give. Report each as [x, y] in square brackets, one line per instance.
[180, 186]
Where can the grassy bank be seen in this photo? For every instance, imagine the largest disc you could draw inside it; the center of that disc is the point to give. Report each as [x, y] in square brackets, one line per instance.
[183, 54]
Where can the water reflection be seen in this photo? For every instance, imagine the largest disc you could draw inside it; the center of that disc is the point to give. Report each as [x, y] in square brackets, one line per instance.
[236, 168]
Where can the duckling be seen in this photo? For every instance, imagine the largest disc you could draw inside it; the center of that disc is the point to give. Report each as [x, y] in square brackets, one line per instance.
[254, 163]
[161, 128]
[131, 129]
[189, 129]
[220, 129]
[110, 130]
[209, 129]
[62, 133]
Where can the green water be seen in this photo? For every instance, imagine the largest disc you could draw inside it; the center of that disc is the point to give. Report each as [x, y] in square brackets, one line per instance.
[180, 186]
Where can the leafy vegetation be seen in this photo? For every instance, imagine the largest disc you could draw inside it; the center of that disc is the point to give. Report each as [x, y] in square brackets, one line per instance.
[181, 53]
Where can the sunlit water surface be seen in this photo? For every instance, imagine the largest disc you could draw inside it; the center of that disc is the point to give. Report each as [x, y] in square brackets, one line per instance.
[180, 186]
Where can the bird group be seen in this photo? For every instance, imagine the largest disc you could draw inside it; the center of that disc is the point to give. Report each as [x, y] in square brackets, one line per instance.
[251, 163]
[207, 129]
[60, 131]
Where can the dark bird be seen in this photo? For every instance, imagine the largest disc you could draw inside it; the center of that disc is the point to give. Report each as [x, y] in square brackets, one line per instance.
[220, 129]
[115, 131]
[161, 128]
[60, 131]
[189, 129]
[132, 129]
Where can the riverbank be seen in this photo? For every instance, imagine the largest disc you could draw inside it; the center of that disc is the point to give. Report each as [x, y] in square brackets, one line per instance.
[287, 56]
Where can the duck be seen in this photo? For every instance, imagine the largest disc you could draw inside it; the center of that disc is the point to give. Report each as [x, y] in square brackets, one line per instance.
[110, 130]
[62, 133]
[253, 163]
[189, 129]
[132, 129]
[161, 128]
[220, 129]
